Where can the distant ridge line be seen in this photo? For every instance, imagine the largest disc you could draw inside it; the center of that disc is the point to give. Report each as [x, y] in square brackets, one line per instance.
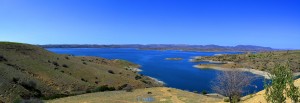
[183, 47]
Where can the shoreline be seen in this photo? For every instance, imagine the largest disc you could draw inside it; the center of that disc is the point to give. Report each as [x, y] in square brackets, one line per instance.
[158, 81]
[253, 71]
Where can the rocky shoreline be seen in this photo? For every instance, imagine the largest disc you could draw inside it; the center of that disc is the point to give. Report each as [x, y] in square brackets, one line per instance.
[253, 71]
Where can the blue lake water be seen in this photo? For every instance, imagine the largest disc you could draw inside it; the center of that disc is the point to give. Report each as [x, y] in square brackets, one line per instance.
[176, 74]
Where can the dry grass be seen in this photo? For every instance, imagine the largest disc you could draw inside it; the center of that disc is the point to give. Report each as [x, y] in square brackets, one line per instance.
[56, 74]
[158, 95]
[259, 97]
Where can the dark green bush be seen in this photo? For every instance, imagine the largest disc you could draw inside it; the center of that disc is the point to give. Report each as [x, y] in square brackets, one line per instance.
[204, 92]
[54, 96]
[15, 80]
[55, 63]
[111, 72]
[65, 65]
[84, 63]
[104, 88]
[137, 77]
[82, 79]
[2, 58]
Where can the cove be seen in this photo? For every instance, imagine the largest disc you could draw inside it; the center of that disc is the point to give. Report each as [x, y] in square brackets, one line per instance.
[178, 74]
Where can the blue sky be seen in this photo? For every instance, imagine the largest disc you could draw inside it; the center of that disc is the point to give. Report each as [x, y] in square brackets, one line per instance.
[272, 23]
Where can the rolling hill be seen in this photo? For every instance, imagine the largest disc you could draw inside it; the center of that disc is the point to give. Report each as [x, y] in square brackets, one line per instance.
[28, 71]
[183, 47]
[262, 61]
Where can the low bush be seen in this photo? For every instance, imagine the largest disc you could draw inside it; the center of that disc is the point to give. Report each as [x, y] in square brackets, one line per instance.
[204, 92]
[137, 77]
[15, 80]
[82, 79]
[2, 58]
[54, 96]
[84, 63]
[55, 63]
[111, 72]
[104, 88]
[65, 65]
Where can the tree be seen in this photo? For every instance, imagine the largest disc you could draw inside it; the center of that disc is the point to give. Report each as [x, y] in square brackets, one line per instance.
[231, 84]
[281, 85]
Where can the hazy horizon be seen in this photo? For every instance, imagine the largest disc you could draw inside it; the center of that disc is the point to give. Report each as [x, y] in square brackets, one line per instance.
[267, 23]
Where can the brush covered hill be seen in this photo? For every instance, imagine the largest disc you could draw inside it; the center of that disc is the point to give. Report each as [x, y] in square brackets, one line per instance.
[259, 61]
[29, 71]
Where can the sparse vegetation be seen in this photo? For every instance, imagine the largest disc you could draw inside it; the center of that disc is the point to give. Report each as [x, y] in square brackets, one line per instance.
[2, 58]
[281, 85]
[111, 72]
[65, 65]
[104, 88]
[137, 77]
[84, 63]
[231, 84]
[55, 63]
[31, 71]
[204, 92]
[261, 61]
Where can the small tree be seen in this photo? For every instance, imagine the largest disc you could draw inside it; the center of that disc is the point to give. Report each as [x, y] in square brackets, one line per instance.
[281, 82]
[231, 84]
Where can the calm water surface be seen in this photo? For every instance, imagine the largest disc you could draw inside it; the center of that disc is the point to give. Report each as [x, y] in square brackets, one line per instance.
[176, 74]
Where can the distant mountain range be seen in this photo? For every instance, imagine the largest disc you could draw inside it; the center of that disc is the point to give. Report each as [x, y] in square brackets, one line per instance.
[182, 47]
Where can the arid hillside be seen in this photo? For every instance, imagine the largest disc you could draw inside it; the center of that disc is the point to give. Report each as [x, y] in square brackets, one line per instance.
[28, 71]
[259, 61]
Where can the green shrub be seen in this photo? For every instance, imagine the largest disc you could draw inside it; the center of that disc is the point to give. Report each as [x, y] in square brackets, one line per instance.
[282, 81]
[15, 80]
[204, 92]
[137, 77]
[111, 72]
[55, 63]
[2, 58]
[104, 88]
[54, 96]
[226, 100]
[65, 65]
[82, 79]
[84, 63]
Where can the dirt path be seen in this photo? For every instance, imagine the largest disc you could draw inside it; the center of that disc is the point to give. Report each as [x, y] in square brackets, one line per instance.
[174, 98]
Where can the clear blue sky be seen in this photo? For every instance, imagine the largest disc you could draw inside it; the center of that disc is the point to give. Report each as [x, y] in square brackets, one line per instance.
[272, 23]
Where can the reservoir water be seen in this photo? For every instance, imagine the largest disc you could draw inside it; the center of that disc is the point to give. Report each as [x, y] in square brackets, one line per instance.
[176, 74]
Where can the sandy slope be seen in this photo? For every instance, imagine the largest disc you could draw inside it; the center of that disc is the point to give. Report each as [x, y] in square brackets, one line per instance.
[157, 95]
[259, 97]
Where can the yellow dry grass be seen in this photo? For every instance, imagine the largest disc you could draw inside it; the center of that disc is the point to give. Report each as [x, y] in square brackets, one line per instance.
[157, 95]
[260, 96]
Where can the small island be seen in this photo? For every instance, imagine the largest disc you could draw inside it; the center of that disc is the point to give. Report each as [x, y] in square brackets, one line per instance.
[174, 59]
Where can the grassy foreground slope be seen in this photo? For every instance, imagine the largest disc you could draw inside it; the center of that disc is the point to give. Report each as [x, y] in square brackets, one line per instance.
[260, 61]
[30, 71]
[158, 95]
[152, 95]
[259, 97]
